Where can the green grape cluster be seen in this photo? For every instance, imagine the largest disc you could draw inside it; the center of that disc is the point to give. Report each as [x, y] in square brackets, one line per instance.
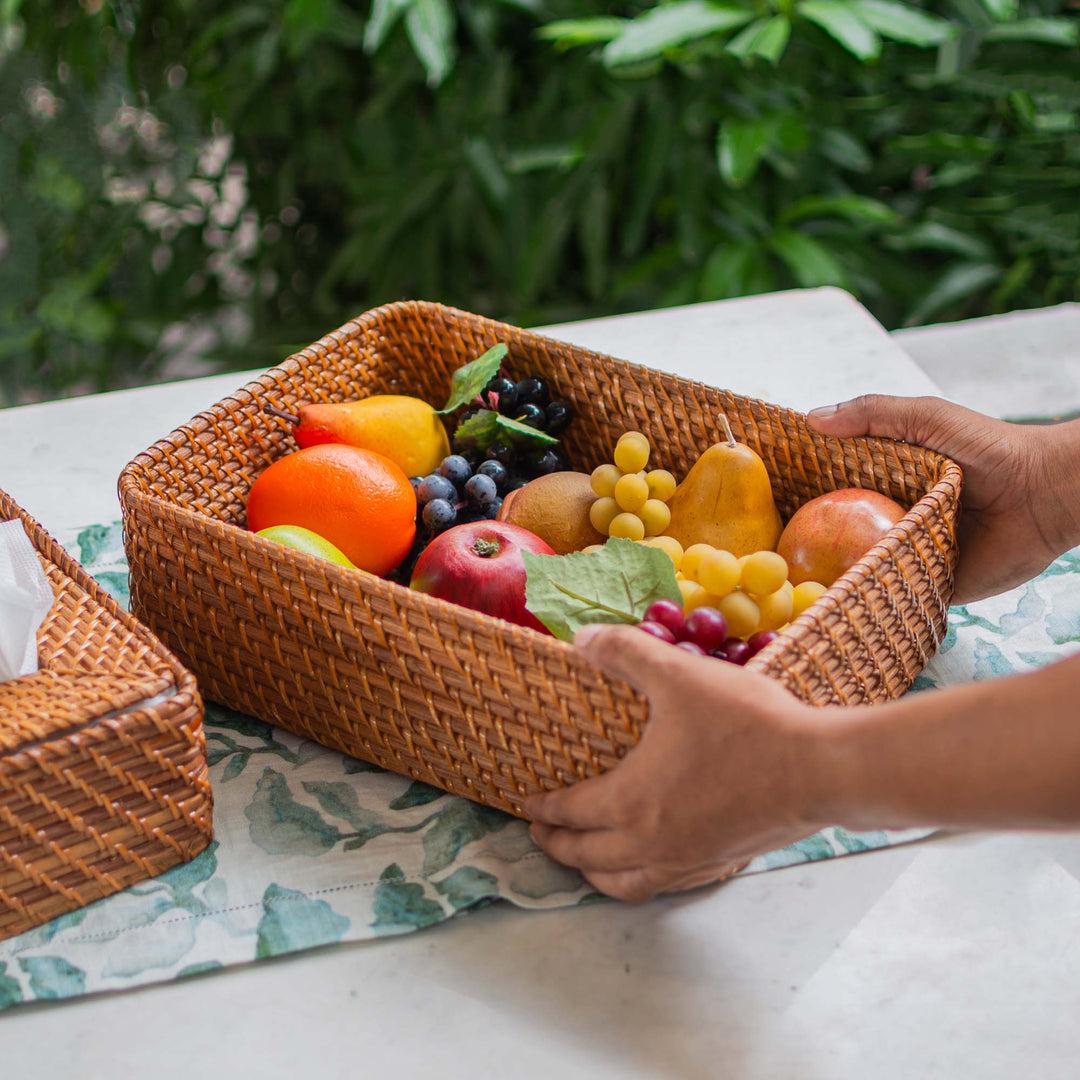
[630, 501]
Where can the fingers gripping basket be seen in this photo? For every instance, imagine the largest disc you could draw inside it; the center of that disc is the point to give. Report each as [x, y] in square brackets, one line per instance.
[102, 759]
[460, 700]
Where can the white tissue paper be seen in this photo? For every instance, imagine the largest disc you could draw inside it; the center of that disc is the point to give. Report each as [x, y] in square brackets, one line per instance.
[25, 600]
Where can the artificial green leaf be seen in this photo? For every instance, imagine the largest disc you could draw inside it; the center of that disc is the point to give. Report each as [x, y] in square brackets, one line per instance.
[841, 21]
[669, 25]
[812, 264]
[569, 33]
[959, 282]
[431, 25]
[469, 379]
[479, 430]
[521, 431]
[1065, 32]
[766, 38]
[613, 585]
[903, 22]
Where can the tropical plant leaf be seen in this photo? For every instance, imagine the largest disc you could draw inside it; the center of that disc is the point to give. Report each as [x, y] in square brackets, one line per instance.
[903, 22]
[766, 38]
[669, 25]
[842, 22]
[808, 259]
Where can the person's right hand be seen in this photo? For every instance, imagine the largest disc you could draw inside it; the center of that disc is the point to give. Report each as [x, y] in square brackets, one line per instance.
[1021, 499]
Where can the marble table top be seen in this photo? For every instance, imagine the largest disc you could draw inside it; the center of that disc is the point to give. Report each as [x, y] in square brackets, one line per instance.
[954, 957]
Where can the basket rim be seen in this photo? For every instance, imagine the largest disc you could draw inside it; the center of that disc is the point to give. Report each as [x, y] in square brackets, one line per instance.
[946, 489]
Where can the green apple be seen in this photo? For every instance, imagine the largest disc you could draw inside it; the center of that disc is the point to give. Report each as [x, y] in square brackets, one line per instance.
[311, 543]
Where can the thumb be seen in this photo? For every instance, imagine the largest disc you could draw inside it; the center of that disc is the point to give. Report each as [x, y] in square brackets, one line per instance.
[627, 653]
[927, 421]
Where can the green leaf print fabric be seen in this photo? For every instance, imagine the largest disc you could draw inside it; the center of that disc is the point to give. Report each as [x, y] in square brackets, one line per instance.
[314, 848]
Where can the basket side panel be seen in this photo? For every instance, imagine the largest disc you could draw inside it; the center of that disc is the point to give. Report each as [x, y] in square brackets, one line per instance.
[87, 815]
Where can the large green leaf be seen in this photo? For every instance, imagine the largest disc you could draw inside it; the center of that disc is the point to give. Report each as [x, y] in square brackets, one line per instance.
[1065, 32]
[842, 21]
[811, 263]
[957, 283]
[903, 22]
[664, 27]
[740, 147]
[766, 38]
[431, 26]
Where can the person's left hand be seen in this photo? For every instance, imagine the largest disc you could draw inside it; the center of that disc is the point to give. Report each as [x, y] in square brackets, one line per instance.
[721, 774]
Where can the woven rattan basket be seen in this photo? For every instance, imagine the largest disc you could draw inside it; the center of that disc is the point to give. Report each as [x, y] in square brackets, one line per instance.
[102, 759]
[452, 697]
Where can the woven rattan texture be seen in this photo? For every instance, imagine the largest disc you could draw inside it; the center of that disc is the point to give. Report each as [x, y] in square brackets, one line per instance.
[94, 795]
[452, 697]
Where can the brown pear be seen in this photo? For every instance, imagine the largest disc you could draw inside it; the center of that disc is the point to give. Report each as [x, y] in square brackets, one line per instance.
[726, 501]
[556, 508]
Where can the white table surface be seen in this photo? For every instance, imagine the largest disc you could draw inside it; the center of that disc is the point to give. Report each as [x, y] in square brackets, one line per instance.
[955, 957]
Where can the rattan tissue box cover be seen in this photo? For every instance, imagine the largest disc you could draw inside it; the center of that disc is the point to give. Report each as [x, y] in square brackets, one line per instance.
[103, 778]
[453, 697]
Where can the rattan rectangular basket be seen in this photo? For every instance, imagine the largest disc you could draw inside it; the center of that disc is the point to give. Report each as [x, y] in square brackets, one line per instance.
[103, 776]
[452, 697]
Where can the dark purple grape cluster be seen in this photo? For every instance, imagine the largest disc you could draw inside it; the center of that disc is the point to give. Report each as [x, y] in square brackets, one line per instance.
[528, 401]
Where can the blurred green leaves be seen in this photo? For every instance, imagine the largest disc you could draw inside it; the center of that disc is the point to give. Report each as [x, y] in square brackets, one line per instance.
[181, 178]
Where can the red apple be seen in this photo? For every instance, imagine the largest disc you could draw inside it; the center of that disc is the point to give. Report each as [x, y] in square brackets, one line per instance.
[829, 534]
[480, 566]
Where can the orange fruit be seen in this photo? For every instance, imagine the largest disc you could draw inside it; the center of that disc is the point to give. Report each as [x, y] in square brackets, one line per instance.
[360, 501]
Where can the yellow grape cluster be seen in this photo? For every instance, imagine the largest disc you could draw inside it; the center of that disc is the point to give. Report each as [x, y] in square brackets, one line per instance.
[630, 501]
[752, 592]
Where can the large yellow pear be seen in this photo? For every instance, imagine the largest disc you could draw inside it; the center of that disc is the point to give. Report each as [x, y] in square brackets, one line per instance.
[405, 429]
[726, 501]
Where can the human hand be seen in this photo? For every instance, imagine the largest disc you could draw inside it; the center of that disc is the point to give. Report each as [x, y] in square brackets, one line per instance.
[720, 774]
[1021, 502]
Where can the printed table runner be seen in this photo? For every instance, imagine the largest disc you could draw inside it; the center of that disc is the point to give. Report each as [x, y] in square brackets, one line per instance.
[313, 847]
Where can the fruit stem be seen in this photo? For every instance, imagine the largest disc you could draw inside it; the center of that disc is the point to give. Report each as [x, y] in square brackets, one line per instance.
[727, 430]
[271, 410]
[486, 547]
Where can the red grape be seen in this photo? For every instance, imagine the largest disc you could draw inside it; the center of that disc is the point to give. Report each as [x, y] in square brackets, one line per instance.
[738, 652]
[668, 613]
[690, 647]
[658, 630]
[759, 640]
[705, 626]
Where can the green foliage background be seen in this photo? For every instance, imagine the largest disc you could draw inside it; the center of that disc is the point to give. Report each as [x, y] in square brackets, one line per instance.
[180, 177]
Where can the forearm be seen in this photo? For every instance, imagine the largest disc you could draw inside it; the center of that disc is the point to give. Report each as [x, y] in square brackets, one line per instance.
[1003, 753]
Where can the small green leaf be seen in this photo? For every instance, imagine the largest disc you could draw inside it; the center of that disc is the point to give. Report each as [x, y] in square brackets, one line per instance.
[569, 33]
[1064, 32]
[740, 147]
[431, 25]
[471, 378]
[664, 27]
[614, 585]
[902, 22]
[841, 21]
[480, 429]
[522, 431]
[859, 209]
[844, 150]
[1002, 10]
[384, 14]
[959, 281]
[812, 264]
[766, 38]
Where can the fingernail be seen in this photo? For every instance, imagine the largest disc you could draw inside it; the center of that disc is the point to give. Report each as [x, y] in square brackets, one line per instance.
[823, 411]
[587, 633]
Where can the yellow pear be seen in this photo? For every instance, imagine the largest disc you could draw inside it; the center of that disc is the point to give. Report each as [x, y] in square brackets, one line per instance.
[726, 501]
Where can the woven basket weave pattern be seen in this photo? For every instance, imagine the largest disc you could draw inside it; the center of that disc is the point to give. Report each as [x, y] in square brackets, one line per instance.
[449, 696]
[94, 797]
